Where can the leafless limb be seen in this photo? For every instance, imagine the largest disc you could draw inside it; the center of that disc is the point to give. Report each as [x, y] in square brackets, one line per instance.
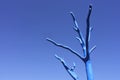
[92, 49]
[77, 29]
[69, 70]
[88, 31]
[65, 47]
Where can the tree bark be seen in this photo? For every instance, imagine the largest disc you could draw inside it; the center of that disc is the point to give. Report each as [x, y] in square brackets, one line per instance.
[89, 71]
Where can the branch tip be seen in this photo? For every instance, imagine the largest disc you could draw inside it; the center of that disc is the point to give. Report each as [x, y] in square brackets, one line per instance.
[48, 39]
[72, 16]
[71, 12]
[76, 29]
[79, 40]
[91, 28]
[90, 6]
[56, 55]
[92, 49]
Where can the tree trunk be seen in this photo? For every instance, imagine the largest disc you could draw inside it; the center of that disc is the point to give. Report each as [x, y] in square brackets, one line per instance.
[89, 72]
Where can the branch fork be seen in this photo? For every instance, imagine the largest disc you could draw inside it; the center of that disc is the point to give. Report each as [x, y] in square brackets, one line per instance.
[83, 41]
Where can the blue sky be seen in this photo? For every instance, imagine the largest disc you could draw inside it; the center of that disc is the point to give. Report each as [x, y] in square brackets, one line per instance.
[25, 24]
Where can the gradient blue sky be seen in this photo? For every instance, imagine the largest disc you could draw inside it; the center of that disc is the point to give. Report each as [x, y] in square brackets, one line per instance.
[26, 55]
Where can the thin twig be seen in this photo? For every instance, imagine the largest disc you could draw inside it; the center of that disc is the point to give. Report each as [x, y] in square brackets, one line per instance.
[92, 49]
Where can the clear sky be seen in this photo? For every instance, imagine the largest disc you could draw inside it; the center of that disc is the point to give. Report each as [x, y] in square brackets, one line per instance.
[25, 24]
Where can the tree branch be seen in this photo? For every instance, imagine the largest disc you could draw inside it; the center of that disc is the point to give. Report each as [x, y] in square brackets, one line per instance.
[65, 47]
[76, 28]
[83, 46]
[92, 49]
[62, 61]
[88, 31]
[80, 41]
[69, 70]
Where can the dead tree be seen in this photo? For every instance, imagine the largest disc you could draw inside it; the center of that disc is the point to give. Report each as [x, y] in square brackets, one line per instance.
[85, 47]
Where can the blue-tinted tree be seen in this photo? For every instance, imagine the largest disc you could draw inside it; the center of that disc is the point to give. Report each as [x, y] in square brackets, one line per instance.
[85, 47]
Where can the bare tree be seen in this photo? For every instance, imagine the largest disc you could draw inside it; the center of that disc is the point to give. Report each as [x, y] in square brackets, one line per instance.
[85, 47]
